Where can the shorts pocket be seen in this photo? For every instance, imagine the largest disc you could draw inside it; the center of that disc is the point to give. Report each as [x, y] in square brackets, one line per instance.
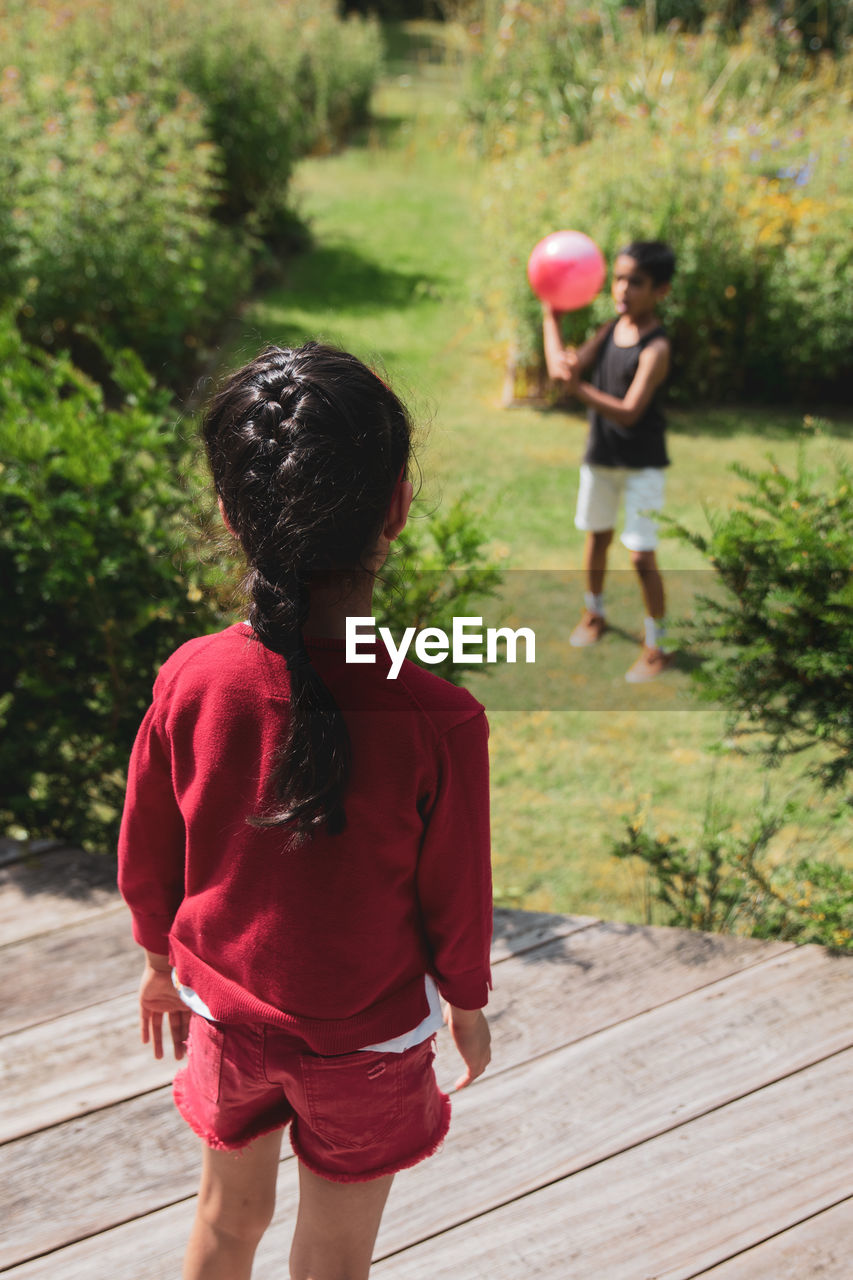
[205, 1057]
[353, 1099]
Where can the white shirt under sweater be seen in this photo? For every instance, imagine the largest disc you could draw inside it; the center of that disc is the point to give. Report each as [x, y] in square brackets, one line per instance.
[433, 1021]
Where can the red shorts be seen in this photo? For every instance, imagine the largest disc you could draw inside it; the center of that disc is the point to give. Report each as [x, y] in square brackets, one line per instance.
[352, 1117]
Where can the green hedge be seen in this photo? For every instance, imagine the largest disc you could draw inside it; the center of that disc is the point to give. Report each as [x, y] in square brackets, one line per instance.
[146, 152]
[101, 579]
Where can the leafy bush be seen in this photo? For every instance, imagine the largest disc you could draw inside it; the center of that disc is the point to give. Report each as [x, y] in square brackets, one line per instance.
[438, 571]
[690, 140]
[144, 150]
[100, 582]
[108, 218]
[277, 83]
[801, 28]
[777, 639]
[724, 882]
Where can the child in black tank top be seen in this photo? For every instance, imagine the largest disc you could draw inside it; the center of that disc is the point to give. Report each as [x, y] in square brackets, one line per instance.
[626, 451]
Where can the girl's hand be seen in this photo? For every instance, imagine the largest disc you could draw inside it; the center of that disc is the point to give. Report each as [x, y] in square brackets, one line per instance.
[157, 996]
[471, 1035]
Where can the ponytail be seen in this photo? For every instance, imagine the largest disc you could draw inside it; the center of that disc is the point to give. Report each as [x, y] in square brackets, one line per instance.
[305, 447]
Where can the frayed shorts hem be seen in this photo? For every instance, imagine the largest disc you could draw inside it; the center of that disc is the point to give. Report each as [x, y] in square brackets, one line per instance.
[383, 1171]
[211, 1139]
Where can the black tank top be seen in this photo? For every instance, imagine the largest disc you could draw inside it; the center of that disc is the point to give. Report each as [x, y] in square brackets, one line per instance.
[608, 444]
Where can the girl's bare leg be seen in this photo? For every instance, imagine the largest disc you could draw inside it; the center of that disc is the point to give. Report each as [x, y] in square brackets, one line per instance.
[236, 1200]
[336, 1227]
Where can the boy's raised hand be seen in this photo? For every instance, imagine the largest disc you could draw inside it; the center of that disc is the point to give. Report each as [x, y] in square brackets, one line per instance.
[471, 1035]
[157, 996]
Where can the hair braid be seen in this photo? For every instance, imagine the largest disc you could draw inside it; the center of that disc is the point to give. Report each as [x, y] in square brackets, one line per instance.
[305, 446]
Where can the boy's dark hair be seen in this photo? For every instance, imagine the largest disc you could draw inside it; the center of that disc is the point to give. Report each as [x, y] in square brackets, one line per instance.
[654, 257]
[306, 447]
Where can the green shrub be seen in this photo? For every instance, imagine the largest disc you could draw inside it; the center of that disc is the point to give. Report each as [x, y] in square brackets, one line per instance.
[777, 637]
[723, 881]
[108, 218]
[146, 149]
[277, 84]
[100, 580]
[796, 28]
[438, 571]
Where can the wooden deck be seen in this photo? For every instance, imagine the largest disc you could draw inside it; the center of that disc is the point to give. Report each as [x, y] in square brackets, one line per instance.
[661, 1105]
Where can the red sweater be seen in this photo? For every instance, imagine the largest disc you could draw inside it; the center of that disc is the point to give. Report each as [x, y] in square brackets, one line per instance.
[330, 940]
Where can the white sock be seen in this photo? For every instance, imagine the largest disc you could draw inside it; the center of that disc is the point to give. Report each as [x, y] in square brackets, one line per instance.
[655, 632]
[594, 603]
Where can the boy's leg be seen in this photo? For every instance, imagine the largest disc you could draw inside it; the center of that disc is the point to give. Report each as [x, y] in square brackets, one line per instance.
[599, 494]
[592, 626]
[595, 560]
[336, 1227]
[235, 1206]
[651, 583]
[644, 494]
[653, 660]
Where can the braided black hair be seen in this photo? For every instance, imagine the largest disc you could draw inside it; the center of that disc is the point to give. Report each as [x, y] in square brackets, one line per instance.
[306, 446]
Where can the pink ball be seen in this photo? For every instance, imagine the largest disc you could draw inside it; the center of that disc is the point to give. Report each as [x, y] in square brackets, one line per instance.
[566, 270]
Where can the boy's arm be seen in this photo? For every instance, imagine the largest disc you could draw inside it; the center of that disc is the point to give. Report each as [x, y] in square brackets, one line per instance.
[552, 341]
[652, 369]
[562, 361]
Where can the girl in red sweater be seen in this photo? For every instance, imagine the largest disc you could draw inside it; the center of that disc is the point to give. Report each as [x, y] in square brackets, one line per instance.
[304, 847]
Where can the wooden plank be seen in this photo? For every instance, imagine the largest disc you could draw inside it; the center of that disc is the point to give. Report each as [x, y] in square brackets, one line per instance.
[818, 1248]
[151, 1247]
[18, 850]
[518, 931]
[58, 972]
[587, 1102]
[536, 1008]
[554, 994]
[87, 1175]
[671, 1207]
[593, 978]
[86, 1060]
[48, 890]
[67, 969]
[522, 1128]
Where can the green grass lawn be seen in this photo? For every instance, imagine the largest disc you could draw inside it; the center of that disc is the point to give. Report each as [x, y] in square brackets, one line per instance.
[397, 273]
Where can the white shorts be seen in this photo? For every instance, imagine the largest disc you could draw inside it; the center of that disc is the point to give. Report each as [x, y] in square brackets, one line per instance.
[600, 493]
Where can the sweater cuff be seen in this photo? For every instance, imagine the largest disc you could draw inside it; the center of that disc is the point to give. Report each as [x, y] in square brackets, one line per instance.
[152, 933]
[466, 990]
